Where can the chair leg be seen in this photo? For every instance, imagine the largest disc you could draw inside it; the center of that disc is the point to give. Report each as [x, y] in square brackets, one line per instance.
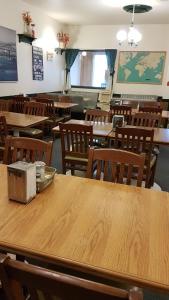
[63, 167]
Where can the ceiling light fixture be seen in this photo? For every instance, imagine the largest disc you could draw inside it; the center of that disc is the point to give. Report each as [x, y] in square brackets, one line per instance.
[133, 36]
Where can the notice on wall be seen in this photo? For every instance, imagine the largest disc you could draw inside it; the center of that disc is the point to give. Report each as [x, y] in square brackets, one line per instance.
[37, 63]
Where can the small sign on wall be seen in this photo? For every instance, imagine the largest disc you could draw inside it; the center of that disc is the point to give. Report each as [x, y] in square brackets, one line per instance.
[49, 56]
[37, 63]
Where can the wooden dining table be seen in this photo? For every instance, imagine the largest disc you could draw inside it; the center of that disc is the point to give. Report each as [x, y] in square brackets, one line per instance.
[22, 120]
[112, 231]
[64, 105]
[100, 129]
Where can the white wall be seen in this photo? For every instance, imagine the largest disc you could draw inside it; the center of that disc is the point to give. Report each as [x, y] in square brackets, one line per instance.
[46, 31]
[155, 38]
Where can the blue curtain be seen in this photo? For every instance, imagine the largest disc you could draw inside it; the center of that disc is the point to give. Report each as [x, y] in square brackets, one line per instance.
[111, 58]
[70, 56]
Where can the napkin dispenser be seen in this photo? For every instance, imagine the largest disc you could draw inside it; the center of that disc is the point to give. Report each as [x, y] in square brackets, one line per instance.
[21, 181]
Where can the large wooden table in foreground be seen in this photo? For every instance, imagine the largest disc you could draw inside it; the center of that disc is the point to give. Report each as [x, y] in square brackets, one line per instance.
[111, 230]
[22, 120]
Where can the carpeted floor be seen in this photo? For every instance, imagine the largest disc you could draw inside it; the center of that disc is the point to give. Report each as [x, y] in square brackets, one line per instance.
[162, 179]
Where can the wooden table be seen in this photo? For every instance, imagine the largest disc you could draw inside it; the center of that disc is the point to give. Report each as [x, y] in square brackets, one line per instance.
[99, 129]
[110, 230]
[161, 135]
[64, 105]
[22, 120]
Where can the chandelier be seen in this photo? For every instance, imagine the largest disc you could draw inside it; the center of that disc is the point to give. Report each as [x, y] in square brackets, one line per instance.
[133, 36]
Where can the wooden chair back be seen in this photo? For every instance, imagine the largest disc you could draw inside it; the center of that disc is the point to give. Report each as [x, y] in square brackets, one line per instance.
[49, 106]
[18, 103]
[34, 108]
[97, 115]
[135, 140]
[114, 165]
[151, 109]
[124, 110]
[75, 139]
[27, 149]
[146, 120]
[3, 130]
[47, 285]
[65, 99]
[5, 105]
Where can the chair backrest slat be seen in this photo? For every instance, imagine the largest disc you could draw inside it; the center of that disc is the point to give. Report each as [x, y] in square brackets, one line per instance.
[49, 285]
[115, 165]
[34, 108]
[97, 115]
[76, 139]
[30, 150]
[124, 110]
[146, 120]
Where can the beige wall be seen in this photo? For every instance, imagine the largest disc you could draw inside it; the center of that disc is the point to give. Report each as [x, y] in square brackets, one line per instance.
[46, 31]
[155, 38]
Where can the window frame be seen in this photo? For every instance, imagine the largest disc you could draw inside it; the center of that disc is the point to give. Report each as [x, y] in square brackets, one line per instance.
[90, 87]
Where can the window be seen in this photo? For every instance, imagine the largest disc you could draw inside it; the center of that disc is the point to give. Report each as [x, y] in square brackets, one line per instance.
[89, 70]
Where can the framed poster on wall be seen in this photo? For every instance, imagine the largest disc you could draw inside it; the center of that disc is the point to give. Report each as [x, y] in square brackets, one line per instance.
[144, 67]
[8, 57]
[37, 63]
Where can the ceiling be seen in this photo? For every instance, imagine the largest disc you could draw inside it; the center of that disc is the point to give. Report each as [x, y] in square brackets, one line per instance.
[102, 12]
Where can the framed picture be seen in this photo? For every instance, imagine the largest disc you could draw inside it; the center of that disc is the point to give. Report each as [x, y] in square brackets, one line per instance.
[49, 56]
[144, 67]
[8, 56]
[37, 63]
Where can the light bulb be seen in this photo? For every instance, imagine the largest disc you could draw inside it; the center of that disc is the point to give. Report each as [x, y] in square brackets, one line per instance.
[134, 36]
[121, 36]
[84, 53]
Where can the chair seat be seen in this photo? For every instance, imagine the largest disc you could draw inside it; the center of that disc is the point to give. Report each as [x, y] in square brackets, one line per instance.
[74, 158]
[54, 120]
[31, 132]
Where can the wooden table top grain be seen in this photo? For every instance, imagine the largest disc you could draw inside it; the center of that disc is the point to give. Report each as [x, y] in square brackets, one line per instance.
[22, 120]
[64, 105]
[112, 230]
[99, 128]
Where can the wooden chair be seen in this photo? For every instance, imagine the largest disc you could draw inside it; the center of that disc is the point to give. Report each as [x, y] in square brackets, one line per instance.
[146, 120]
[97, 115]
[18, 103]
[151, 109]
[115, 165]
[121, 110]
[30, 150]
[3, 135]
[5, 105]
[66, 113]
[50, 112]
[75, 142]
[139, 141]
[46, 284]
[36, 109]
